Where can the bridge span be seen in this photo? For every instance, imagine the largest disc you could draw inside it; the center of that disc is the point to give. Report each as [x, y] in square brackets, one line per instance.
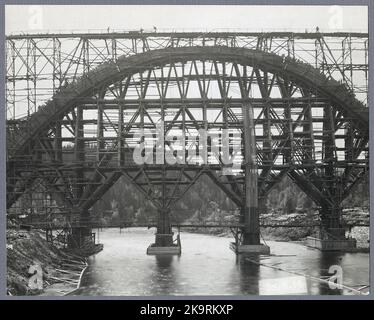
[163, 109]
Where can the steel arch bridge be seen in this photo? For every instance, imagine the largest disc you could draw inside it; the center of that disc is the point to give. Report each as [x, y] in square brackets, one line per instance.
[293, 104]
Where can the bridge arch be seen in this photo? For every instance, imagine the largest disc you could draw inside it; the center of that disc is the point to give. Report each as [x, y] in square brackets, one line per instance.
[109, 72]
[343, 103]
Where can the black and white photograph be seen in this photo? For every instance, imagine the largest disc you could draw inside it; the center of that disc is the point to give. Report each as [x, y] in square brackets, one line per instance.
[187, 150]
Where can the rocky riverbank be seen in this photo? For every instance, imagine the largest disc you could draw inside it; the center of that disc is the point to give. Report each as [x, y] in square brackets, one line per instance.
[36, 267]
[358, 215]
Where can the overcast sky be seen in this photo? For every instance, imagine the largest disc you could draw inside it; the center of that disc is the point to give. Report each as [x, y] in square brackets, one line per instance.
[48, 18]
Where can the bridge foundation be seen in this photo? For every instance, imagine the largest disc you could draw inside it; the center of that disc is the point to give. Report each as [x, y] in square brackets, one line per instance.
[331, 236]
[322, 244]
[250, 241]
[81, 234]
[164, 243]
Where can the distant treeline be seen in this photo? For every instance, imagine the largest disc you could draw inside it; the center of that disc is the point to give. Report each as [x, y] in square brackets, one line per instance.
[123, 201]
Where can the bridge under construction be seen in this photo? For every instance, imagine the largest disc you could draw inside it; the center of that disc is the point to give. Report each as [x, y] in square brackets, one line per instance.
[273, 104]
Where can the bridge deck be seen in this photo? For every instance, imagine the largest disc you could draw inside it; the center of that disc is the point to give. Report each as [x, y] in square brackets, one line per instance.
[49, 226]
[138, 34]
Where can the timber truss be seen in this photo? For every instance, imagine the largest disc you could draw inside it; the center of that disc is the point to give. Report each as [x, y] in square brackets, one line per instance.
[75, 103]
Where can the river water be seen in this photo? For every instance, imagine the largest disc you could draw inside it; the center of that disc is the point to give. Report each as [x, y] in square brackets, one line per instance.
[208, 267]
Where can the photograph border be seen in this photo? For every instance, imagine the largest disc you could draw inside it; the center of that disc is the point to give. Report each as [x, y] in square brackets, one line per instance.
[368, 3]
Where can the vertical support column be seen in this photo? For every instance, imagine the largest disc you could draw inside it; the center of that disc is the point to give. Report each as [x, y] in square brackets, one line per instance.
[267, 145]
[79, 234]
[114, 49]
[164, 235]
[35, 78]
[120, 144]
[331, 222]
[366, 67]
[332, 235]
[100, 131]
[56, 60]
[348, 141]
[331, 215]
[58, 143]
[28, 75]
[350, 63]
[79, 152]
[12, 101]
[251, 232]
[308, 142]
[249, 211]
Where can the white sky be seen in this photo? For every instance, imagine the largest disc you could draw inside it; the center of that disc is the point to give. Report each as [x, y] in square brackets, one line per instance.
[49, 18]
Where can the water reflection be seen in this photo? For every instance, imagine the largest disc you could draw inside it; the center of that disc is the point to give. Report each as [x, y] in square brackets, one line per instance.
[249, 274]
[208, 267]
[327, 261]
[163, 276]
[164, 261]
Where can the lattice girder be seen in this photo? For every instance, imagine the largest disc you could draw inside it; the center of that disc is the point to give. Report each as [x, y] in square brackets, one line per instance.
[306, 125]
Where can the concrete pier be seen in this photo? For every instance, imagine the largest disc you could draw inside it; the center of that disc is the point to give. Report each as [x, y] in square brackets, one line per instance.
[331, 236]
[79, 236]
[345, 244]
[250, 249]
[164, 243]
[171, 250]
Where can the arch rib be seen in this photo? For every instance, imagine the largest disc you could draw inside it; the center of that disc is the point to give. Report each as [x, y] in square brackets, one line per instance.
[109, 72]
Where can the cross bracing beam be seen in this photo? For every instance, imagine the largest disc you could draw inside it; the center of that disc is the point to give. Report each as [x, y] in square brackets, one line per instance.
[288, 99]
[55, 54]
